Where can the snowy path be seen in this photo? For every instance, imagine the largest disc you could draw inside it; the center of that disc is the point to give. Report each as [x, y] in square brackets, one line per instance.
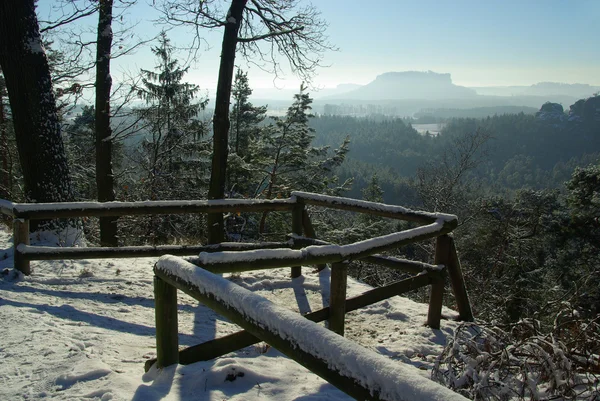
[83, 329]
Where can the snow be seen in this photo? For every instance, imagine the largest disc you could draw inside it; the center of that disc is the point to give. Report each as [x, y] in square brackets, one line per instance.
[83, 330]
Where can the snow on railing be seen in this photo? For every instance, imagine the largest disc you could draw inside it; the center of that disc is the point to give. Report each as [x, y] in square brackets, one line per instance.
[381, 209]
[361, 373]
[246, 256]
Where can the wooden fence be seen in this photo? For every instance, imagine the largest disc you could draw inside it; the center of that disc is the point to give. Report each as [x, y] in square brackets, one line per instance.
[342, 363]
[303, 248]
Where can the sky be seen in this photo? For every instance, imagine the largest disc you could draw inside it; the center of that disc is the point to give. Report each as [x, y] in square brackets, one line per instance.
[481, 43]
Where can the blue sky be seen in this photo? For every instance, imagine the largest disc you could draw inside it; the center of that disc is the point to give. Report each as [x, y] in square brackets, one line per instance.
[481, 43]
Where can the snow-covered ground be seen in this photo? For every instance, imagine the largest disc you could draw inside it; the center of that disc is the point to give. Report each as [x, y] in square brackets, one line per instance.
[83, 330]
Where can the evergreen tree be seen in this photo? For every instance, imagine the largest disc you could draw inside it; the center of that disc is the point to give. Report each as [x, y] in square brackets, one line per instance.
[289, 161]
[79, 144]
[245, 117]
[175, 133]
[373, 191]
[245, 127]
[173, 154]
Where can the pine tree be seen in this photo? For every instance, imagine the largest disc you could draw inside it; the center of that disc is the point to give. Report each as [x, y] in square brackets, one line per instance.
[79, 144]
[245, 128]
[171, 116]
[173, 155]
[289, 161]
[245, 118]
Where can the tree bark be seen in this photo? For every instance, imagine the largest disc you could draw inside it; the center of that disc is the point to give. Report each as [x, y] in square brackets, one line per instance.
[5, 187]
[221, 117]
[33, 105]
[104, 172]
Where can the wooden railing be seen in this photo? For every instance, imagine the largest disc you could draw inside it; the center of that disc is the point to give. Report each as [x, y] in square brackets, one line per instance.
[346, 365]
[302, 248]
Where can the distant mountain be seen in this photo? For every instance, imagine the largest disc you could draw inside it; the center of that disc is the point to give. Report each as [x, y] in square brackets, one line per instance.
[546, 89]
[408, 85]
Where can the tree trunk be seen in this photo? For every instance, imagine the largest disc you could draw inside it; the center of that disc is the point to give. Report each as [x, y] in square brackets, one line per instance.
[218, 173]
[104, 173]
[33, 105]
[5, 188]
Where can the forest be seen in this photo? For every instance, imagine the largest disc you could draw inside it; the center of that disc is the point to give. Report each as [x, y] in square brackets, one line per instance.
[526, 187]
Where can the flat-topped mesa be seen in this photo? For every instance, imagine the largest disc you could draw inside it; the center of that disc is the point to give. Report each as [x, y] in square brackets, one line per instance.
[380, 209]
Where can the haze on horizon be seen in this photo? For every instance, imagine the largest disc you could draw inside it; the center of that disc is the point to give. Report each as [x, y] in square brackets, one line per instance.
[491, 43]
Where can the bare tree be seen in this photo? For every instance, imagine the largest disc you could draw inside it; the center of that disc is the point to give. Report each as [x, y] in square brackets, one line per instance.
[33, 106]
[262, 30]
[441, 185]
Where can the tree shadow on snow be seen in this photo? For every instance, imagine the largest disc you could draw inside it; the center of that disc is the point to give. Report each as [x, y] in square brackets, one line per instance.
[73, 314]
[108, 297]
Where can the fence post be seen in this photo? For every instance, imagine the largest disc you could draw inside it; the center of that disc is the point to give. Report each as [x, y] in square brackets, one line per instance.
[297, 230]
[21, 236]
[337, 297]
[436, 296]
[458, 285]
[309, 231]
[167, 332]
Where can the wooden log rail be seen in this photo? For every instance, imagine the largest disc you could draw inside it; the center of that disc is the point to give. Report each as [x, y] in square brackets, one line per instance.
[234, 257]
[342, 363]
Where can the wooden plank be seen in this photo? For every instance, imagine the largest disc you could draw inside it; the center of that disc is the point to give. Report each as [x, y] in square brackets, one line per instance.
[436, 296]
[337, 297]
[297, 230]
[241, 339]
[309, 231]
[36, 211]
[334, 255]
[167, 332]
[21, 237]
[409, 266]
[371, 208]
[331, 254]
[54, 253]
[458, 285]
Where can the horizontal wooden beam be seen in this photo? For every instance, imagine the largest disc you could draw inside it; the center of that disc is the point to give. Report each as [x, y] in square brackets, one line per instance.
[372, 208]
[239, 262]
[53, 253]
[409, 266]
[316, 255]
[36, 211]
